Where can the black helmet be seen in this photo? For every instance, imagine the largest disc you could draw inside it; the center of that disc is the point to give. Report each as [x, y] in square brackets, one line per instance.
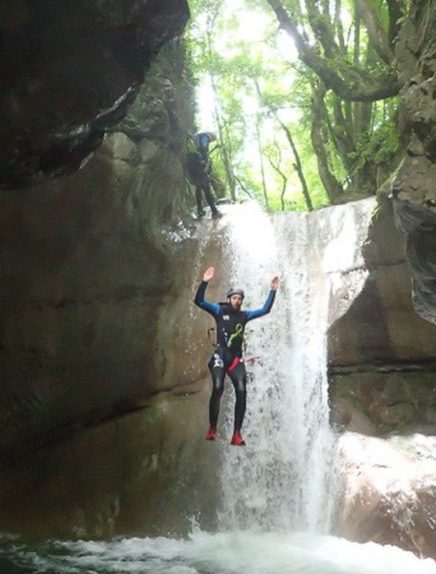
[231, 292]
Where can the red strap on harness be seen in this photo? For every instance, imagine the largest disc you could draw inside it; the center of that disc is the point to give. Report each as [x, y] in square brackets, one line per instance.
[233, 365]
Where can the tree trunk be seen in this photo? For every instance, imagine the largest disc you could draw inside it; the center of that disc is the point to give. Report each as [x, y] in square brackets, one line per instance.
[230, 179]
[332, 186]
[297, 165]
[262, 167]
[339, 26]
[396, 12]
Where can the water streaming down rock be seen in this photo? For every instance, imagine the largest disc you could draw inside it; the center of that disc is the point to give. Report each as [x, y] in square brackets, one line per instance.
[283, 479]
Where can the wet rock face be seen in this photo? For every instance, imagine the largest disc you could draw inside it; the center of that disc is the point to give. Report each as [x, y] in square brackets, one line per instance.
[381, 353]
[87, 265]
[127, 345]
[70, 71]
[413, 186]
[85, 269]
[379, 400]
[382, 380]
[388, 493]
[420, 226]
[133, 475]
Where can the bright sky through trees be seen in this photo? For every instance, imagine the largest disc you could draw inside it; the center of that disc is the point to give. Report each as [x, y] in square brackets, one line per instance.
[286, 137]
[252, 28]
[251, 35]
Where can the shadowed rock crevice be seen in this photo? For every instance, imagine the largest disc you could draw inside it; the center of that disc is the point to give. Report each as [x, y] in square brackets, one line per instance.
[412, 186]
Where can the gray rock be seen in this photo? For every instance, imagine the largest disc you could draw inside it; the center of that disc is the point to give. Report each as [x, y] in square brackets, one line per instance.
[413, 186]
[388, 492]
[70, 71]
[84, 273]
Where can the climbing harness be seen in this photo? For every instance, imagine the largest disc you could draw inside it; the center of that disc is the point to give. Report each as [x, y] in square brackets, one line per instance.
[233, 364]
[239, 332]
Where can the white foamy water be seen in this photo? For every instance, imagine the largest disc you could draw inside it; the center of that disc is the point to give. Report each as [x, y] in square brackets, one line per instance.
[225, 553]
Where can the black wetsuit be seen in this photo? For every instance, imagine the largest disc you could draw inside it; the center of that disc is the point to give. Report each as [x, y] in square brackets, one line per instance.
[199, 177]
[227, 357]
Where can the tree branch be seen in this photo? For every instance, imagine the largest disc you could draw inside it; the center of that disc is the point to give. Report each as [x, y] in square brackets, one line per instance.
[396, 11]
[276, 167]
[359, 84]
[322, 29]
[242, 186]
[375, 30]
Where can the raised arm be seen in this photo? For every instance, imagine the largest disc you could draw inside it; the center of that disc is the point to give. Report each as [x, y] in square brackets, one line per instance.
[200, 301]
[255, 313]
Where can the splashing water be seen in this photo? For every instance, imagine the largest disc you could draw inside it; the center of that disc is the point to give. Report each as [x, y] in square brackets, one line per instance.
[224, 553]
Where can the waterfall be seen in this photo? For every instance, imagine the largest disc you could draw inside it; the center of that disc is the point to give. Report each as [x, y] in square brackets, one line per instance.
[282, 479]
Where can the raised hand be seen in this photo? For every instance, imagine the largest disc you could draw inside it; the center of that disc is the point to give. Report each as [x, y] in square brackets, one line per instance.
[275, 283]
[208, 274]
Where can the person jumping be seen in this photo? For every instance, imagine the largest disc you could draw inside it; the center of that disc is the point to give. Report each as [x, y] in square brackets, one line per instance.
[227, 357]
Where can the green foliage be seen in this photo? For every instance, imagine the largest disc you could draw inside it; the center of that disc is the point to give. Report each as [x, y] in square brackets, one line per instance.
[379, 144]
[256, 85]
[379, 149]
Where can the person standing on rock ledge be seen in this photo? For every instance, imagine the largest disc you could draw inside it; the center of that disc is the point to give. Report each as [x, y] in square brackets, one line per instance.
[199, 171]
[227, 357]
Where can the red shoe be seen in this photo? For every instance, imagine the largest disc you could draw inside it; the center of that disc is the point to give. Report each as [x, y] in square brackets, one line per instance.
[211, 434]
[237, 439]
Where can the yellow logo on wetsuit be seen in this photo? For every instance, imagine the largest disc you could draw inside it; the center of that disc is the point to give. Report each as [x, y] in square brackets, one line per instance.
[239, 332]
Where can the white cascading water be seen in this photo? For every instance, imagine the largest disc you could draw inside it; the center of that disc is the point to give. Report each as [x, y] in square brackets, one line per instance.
[282, 479]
